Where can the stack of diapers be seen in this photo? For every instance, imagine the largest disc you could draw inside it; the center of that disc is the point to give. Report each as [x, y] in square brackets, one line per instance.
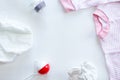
[15, 38]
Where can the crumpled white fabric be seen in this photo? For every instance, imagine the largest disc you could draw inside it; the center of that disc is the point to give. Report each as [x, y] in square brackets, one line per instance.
[15, 38]
[85, 72]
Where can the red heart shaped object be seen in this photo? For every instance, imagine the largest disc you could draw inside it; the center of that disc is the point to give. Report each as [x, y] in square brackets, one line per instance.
[45, 69]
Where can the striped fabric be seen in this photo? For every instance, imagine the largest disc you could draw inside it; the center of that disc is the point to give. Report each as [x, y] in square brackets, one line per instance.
[110, 40]
[107, 22]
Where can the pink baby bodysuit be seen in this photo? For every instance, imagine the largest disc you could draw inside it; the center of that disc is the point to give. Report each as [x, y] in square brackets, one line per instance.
[107, 21]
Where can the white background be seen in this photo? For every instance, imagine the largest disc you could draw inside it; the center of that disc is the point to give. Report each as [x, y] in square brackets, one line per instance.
[62, 39]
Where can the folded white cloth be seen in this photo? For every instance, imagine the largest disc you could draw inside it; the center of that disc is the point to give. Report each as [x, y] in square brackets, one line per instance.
[15, 38]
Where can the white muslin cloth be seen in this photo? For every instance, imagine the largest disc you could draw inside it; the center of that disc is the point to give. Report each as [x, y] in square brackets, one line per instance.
[15, 38]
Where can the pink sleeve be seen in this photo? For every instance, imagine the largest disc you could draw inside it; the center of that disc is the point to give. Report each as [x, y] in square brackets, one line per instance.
[67, 5]
[74, 5]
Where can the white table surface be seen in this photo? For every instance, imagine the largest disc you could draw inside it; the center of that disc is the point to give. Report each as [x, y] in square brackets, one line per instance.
[63, 39]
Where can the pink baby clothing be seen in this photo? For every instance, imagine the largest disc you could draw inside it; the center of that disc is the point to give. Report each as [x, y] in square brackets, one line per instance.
[74, 5]
[107, 21]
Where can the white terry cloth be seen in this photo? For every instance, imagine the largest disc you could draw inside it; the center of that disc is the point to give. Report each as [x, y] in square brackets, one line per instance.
[15, 38]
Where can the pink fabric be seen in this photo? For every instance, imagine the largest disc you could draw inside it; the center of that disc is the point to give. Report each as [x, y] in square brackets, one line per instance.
[109, 36]
[73, 5]
[68, 6]
[107, 21]
[101, 31]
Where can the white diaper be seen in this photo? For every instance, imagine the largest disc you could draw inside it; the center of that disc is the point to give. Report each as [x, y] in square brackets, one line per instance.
[15, 38]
